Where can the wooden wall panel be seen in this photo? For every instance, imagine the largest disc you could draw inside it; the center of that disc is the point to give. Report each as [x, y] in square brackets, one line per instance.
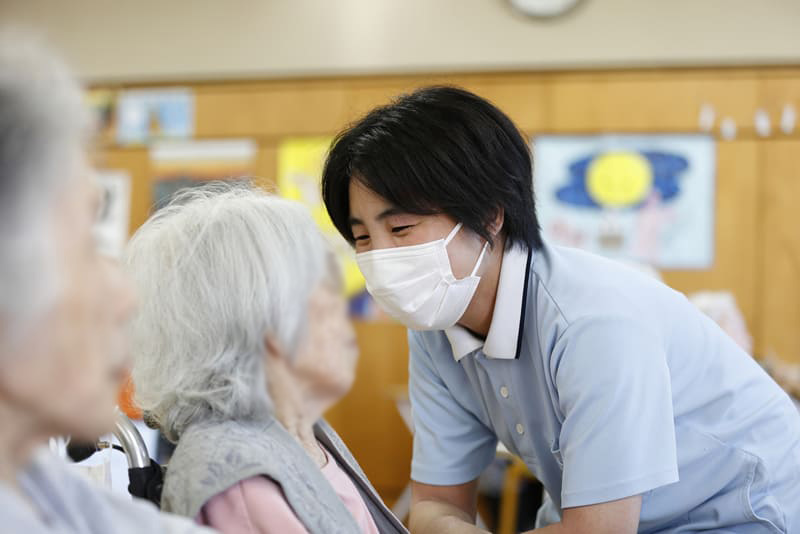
[565, 102]
[269, 110]
[736, 231]
[779, 252]
[781, 88]
[650, 101]
[313, 107]
[265, 172]
[368, 418]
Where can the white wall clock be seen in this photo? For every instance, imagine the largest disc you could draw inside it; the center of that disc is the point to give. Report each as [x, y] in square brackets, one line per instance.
[544, 8]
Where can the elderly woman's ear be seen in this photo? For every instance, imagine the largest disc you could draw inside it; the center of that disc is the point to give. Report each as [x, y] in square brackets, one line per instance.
[282, 384]
[274, 348]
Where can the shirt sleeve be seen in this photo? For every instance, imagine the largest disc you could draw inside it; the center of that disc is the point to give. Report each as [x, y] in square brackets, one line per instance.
[451, 446]
[253, 506]
[614, 393]
[138, 515]
[94, 509]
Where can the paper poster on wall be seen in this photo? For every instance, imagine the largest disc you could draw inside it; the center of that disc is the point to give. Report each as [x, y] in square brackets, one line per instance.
[300, 163]
[645, 198]
[145, 115]
[113, 218]
[102, 103]
[181, 164]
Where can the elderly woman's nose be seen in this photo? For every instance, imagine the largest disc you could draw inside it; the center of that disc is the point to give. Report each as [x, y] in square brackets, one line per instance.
[128, 299]
[124, 298]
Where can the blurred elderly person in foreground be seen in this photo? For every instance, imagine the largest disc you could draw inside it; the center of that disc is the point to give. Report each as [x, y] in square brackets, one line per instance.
[241, 343]
[63, 308]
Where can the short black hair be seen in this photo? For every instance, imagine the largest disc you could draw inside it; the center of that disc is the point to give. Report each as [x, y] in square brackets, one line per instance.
[439, 149]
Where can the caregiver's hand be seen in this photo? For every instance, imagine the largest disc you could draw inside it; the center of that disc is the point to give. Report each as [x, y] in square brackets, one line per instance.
[444, 509]
[452, 509]
[615, 517]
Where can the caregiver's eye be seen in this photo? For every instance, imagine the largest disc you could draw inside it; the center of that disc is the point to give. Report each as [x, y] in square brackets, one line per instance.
[399, 229]
[360, 237]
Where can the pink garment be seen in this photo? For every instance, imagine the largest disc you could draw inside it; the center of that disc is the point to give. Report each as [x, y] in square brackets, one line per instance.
[257, 506]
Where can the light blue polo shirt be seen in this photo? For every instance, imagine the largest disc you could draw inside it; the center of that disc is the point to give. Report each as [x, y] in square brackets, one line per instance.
[608, 384]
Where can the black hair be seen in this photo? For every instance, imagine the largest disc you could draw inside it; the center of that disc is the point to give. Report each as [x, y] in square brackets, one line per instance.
[437, 150]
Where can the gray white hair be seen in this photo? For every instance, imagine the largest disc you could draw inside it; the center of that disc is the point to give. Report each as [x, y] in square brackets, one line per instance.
[44, 124]
[218, 270]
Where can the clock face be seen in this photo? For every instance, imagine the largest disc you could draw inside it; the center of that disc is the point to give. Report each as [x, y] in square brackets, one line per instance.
[544, 8]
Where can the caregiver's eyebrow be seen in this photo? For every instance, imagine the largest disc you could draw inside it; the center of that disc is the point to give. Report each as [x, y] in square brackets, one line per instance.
[381, 216]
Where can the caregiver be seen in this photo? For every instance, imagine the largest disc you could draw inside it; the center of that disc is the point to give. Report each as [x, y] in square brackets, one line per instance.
[635, 411]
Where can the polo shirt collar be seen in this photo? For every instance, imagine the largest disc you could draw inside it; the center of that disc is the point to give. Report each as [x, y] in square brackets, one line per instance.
[503, 340]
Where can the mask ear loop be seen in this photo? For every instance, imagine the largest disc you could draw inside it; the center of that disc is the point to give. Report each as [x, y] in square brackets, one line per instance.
[480, 259]
[450, 237]
[452, 234]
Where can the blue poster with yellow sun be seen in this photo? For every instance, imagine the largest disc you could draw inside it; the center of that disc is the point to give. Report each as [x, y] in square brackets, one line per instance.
[643, 198]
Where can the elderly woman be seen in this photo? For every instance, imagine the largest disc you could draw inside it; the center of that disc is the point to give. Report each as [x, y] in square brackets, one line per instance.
[63, 308]
[241, 343]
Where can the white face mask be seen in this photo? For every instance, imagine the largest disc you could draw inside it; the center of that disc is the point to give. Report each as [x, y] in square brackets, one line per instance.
[416, 285]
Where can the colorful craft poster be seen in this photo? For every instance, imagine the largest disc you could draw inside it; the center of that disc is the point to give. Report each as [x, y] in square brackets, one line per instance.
[642, 198]
[182, 164]
[145, 115]
[113, 217]
[300, 163]
[102, 103]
